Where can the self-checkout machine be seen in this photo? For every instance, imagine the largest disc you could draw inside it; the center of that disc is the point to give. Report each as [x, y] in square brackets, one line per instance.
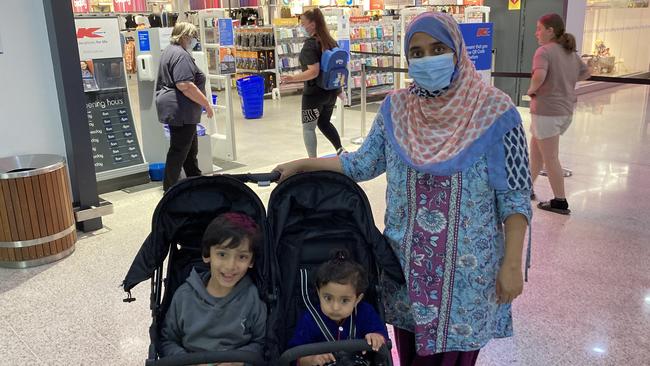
[149, 46]
[116, 150]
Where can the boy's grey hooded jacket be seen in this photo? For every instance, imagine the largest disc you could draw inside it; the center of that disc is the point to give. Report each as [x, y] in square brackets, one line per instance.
[197, 321]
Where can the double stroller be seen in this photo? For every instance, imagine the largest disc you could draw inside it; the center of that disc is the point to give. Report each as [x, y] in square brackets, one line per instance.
[309, 216]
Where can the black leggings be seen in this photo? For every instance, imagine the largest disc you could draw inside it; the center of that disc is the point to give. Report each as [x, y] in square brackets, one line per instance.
[317, 110]
[183, 149]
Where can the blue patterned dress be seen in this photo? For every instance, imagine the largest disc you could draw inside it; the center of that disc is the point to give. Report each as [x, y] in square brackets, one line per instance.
[448, 235]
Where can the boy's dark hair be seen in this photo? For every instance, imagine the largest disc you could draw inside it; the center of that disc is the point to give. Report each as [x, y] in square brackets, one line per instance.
[344, 271]
[234, 226]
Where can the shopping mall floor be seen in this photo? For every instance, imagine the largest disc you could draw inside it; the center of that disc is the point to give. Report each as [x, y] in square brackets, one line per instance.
[587, 301]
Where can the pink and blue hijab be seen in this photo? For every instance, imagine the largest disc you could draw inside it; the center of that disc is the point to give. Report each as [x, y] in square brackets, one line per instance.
[445, 132]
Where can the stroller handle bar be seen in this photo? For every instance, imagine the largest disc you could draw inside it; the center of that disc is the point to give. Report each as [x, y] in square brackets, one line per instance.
[350, 346]
[196, 358]
[262, 179]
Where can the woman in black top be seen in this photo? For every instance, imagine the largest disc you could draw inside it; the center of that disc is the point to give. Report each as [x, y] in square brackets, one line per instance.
[180, 96]
[317, 103]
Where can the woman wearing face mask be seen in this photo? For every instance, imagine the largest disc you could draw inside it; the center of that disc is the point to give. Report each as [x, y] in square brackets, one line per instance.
[556, 69]
[180, 96]
[317, 103]
[454, 152]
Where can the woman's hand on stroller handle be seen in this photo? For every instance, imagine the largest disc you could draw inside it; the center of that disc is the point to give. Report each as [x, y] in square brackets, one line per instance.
[286, 170]
[308, 165]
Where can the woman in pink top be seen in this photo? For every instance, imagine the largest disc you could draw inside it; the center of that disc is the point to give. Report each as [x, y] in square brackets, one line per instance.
[556, 70]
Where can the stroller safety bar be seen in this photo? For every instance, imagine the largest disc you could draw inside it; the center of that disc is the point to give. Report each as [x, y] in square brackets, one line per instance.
[349, 346]
[198, 358]
[262, 179]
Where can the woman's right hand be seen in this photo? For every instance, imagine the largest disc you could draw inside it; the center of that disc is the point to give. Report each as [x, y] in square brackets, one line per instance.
[209, 111]
[288, 169]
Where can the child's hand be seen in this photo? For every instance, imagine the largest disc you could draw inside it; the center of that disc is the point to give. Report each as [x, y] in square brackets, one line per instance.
[317, 360]
[375, 340]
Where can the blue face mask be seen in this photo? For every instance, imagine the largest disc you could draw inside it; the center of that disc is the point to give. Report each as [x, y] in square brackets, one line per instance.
[193, 43]
[432, 73]
[302, 32]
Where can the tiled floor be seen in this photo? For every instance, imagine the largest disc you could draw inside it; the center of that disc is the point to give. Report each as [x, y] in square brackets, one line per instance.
[587, 302]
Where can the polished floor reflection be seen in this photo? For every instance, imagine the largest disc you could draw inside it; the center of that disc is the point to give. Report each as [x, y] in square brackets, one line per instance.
[587, 301]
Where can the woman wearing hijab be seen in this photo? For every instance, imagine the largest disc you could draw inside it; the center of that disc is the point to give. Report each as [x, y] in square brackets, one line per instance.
[458, 199]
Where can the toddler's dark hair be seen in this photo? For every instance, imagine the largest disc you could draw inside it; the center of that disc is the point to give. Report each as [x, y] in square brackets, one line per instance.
[230, 225]
[344, 271]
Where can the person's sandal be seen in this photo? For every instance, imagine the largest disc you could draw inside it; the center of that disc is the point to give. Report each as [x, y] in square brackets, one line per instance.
[341, 150]
[560, 207]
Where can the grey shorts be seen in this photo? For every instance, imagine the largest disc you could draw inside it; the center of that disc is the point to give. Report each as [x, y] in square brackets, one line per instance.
[543, 127]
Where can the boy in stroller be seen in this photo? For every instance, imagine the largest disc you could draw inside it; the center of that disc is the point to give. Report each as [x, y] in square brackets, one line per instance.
[220, 309]
[341, 284]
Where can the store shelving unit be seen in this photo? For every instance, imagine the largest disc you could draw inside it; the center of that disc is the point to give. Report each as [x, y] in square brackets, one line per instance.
[256, 48]
[289, 40]
[373, 37]
[338, 23]
[224, 146]
[476, 14]
[406, 15]
[209, 31]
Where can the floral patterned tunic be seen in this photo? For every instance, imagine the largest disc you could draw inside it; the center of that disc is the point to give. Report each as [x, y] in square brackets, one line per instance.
[448, 235]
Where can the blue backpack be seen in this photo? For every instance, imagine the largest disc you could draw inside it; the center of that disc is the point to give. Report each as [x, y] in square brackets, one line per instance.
[333, 69]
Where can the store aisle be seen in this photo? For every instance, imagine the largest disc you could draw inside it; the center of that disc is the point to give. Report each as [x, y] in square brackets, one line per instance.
[587, 302]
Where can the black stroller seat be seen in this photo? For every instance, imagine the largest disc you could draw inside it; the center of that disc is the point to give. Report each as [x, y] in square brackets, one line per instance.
[177, 228]
[310, 216]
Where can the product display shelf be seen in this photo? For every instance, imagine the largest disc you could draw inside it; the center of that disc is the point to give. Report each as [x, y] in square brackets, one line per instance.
[210, 43]
[289, 41]
[374, 37]
[338, 23]
[406, 15]
[255, 55]
[457, 11]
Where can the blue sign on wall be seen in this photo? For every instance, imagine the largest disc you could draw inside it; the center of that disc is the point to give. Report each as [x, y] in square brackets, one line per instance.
[478, 40]
[143, 41]
[226, 32]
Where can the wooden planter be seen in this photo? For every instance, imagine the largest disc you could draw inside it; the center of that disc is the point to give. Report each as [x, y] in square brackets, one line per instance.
[37, 223]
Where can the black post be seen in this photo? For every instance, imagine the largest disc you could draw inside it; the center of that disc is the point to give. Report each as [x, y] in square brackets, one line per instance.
[67, 75]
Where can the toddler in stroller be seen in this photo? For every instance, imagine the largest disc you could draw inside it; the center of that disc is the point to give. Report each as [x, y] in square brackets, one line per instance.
[311, 216]
[341, 284]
